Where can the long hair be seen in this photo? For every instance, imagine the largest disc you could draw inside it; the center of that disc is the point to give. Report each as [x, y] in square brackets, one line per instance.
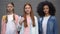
[13, 12]
[31, 15]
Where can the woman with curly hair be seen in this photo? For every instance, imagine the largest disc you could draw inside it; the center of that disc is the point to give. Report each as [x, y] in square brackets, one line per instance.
[47, 21]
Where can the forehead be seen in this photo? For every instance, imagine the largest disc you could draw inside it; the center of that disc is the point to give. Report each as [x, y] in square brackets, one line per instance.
[27, 6]
[9, 4]
[46, 6]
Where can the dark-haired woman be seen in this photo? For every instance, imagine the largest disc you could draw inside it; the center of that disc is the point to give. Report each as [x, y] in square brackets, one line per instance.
[28, 23]
[9, 21]
[47, 21]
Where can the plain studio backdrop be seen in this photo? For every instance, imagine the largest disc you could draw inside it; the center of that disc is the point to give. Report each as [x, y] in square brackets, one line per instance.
[19, 4]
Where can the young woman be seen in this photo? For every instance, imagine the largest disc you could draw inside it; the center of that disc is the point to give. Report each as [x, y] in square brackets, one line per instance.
[28, 23]
[47, 21]
[9, 21]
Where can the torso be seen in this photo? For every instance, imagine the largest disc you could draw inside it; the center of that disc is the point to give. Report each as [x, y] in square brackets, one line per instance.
[44, 24]
[10, 26]
[27, 29]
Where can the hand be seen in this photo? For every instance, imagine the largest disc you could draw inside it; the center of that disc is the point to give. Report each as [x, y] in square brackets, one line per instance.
[21, 20]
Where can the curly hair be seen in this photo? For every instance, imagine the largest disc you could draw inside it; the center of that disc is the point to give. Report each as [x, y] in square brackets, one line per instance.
[40, 6]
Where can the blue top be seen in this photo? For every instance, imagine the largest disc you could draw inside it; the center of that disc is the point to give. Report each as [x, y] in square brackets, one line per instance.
[51, 25]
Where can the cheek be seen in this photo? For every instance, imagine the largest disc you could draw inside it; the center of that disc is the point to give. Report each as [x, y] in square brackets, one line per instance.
[8, 9]
[29, 10]
[25, 10]
[11, 8]
[47, 10]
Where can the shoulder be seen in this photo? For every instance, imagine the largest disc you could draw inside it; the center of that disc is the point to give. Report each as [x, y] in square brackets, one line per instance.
[53, 17]
[40, 18]
[35, 17]
[16, 15]
[4, 17]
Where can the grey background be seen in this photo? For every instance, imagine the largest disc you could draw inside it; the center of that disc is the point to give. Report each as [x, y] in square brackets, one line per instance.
[19, 8]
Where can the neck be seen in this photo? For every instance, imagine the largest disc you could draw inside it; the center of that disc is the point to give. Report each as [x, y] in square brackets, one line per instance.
[28, 15]
[10, 13]
[47, 15]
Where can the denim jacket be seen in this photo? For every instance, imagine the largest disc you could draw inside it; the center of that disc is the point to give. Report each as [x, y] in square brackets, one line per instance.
[51, 25]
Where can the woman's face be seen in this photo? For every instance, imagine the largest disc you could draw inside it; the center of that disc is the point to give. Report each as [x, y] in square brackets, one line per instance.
[46, 9]
[27, 9]
[10, 7]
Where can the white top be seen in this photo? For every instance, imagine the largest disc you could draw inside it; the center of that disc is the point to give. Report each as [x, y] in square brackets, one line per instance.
[44, 24]
[10, 26]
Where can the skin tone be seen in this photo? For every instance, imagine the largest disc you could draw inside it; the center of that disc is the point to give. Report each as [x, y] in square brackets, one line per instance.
[10, 8]
[46, 10]
[27, 11]
[10, 11]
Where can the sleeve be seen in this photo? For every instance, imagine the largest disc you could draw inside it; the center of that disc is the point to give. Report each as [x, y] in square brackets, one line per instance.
[36, 21]
[40, 25]
[55, 28]
[3, 25]
[18, 25]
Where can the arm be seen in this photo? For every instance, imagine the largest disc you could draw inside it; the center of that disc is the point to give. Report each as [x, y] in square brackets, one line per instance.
[55, 28]
[36, 21]
[3, 25]
[40, 25]
[18, 25]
